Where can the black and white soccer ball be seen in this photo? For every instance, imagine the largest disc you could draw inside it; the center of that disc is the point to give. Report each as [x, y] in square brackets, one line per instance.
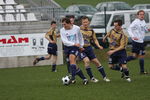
[66, 80]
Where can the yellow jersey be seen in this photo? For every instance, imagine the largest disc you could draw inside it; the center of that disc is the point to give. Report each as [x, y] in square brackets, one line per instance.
[52, 34]
[117, 39]
[88, 36]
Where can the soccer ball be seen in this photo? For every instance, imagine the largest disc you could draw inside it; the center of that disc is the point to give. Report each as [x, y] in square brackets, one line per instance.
[66, 80]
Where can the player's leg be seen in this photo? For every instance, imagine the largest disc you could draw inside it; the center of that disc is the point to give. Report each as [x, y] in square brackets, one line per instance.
[68, 65]
[74, 69]
[100, 69]
[135, 51]
[36, 60]
[54, 60]
[125, 72]
[141, 63]
[88, 69]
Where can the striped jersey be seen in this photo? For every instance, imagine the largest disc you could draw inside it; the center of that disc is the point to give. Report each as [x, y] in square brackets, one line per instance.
[88, 36]
[117, 39]
[52, 34]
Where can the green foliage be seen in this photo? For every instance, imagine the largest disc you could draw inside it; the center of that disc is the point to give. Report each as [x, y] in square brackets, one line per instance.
[66, 3]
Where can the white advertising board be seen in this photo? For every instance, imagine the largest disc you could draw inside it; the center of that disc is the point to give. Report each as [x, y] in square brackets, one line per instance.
[23, 45]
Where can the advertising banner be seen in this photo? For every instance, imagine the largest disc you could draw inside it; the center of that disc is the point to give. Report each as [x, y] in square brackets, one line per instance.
[23, 45]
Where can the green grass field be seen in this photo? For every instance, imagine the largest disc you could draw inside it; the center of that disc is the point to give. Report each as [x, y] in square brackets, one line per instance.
[66, 3]
[39, 83]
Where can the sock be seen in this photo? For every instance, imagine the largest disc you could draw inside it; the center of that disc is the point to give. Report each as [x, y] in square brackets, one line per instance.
[53, 67]
[89, 72]
[41, 58]
[141, 62]
[68, 67]
[73, 71]
[116, 67]
[129, 58]
[101, 70]
[126, 71]
[80, 74]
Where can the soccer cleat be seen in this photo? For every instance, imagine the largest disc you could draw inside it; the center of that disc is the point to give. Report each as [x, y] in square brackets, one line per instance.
[35, 61]
[143, 73]
[106, 79]
[94, 80]
[72, 82]
[128, 79]
[85, 82]
[54, 70]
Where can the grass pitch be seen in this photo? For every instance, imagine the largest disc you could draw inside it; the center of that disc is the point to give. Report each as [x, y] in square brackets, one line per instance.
[39, 83]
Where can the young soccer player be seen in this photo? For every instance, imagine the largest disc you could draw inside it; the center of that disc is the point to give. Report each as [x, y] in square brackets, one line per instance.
[51, 36]
[117, 53]
[137, 31]
[72, 18]
[87, 53]
[72, 40]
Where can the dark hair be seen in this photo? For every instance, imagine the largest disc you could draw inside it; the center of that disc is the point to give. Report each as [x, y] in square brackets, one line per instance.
[67, 20]
[84, 17]
[53, 22]
[70, 16]
[140, 11]
[119, 22]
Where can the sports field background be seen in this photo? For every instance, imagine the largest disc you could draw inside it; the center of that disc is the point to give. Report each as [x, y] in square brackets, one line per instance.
[39, 83]
[66, 3]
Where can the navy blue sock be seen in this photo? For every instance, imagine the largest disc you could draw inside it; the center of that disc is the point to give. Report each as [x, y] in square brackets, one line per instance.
[89, 72]
[68, 67]
[41, 58]
[126, 71]
[141, 62]
[80, 74]
[53, 67]
[129, 58]
[116, 67]
[73, 71]
[101, 70]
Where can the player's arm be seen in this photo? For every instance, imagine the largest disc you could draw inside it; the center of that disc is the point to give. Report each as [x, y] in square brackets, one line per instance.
[123, 43]
[131, 28]
[80, 39]
[104, 38]
[96, 41]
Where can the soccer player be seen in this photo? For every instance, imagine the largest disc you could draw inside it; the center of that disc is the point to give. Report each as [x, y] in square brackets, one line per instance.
[72, 40]
[51, 36]
[137, 31]
[87, 53]
[117, 53]
[72, 18]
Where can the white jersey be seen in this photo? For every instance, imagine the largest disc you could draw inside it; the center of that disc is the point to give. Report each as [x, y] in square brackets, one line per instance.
[138, 29]
[71, 36]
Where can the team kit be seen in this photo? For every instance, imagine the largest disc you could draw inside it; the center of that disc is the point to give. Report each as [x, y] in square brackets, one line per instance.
[77, 42]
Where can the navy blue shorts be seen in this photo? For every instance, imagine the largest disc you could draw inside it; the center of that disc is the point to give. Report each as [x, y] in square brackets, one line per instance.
[118, 57]
[138, 48]
[71, 50]
[88, 52]
[52, 49]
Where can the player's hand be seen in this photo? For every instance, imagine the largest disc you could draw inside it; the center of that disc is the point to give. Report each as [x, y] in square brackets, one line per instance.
[82, 49]
[77, 45]
[100, 47]
[135, 38]
[104, 40]
[110, 52]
